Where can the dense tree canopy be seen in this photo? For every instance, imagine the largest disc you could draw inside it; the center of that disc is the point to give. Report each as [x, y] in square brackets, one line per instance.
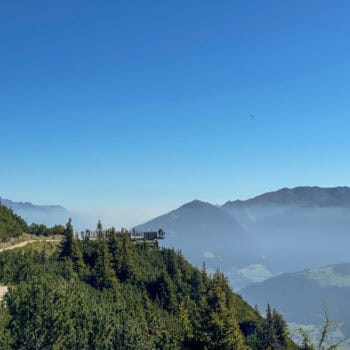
[109, 293]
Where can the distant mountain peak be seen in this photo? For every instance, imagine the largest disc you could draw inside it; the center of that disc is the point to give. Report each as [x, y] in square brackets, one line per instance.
[196, 203]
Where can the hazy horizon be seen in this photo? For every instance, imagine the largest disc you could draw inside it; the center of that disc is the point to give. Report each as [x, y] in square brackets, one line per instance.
[131, 215]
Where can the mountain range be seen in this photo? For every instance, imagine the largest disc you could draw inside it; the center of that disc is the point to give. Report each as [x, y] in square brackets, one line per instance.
[282, 231]
[206, 232]
[44, 214]
[301, 196]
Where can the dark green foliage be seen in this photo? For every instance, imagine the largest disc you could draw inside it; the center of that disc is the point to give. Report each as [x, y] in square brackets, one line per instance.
[123, 258]
[224, 331]
[68, 242]
[109, 293]
[6, 339]
[280, 326]
[271, 333]
[42, 230]
[11, 225]
[103, 274]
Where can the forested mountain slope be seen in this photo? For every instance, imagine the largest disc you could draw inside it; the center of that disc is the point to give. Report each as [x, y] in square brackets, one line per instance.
[109, 293]
[11, 225]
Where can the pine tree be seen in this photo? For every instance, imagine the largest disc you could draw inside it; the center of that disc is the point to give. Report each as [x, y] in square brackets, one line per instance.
[269, 331]
[280, 329]
[166, 292]
[185, 319]
[6, 340]
[77, 259]
[67, 244]
[103, 271]
[199, 310]
[198, 289]
[128, 269]
[99, 230]
[70, 249]
[223, 326]
[115, 248]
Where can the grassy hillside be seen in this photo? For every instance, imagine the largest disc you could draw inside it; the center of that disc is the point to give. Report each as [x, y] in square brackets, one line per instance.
[110, 293]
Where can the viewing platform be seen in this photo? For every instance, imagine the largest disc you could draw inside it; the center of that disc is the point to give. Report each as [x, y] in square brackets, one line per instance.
[134, 235]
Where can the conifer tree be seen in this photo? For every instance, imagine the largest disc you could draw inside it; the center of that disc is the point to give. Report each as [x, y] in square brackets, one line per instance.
[70, 249]
[99, 230]
[115, 248]
[280, 327]
[269, 331]
[223, 326]
[166, 291]
[185, 319]
[6, 340]
[128, 269]
[67, 243]
[103, 271]
[77, 259]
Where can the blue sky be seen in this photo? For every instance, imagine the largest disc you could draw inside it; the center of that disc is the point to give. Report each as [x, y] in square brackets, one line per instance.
[147, 104]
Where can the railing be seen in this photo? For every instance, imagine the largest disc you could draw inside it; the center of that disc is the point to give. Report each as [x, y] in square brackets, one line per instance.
[133, 234]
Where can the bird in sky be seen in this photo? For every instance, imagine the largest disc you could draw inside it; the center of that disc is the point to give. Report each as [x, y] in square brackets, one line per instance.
[252, 116]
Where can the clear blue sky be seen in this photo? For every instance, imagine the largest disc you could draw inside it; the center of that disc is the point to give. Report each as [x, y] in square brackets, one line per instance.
[147, 103]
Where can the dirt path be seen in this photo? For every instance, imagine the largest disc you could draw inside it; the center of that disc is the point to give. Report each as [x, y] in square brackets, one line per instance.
[22, 244]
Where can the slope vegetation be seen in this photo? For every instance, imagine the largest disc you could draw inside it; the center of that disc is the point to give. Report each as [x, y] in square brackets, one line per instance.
[112, 294]
[11, 225]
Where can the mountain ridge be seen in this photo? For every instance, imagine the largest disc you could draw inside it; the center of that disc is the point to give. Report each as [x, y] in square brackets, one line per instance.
[47, 214]
[300, 195]
[29, 205]
[328, 284]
